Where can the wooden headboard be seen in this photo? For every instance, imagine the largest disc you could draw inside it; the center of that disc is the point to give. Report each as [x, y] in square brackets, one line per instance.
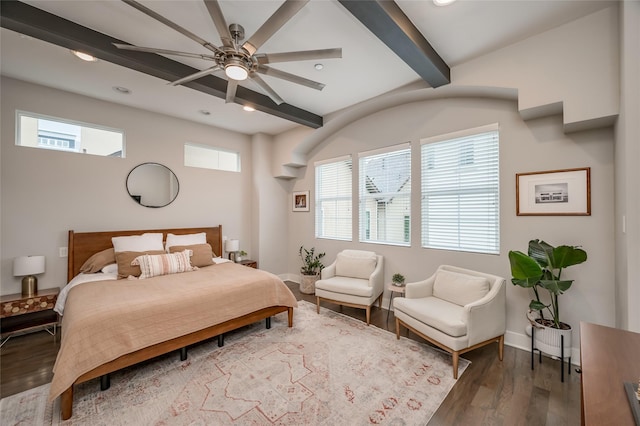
[82, 245]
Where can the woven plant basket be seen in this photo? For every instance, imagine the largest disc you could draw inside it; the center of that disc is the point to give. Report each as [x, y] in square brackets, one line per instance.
[308, 283]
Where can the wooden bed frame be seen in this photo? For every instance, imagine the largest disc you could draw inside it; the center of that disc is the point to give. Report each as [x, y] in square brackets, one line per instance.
[83, 245]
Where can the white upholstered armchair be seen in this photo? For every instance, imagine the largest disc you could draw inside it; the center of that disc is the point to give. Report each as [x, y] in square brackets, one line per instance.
[456, 309]
[355, 279]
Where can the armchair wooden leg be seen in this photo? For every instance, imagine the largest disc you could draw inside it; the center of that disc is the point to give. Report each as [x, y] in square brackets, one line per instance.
[380, 301]
[368, 314]
[501, 347]
[317, 304]
[456, 356]
[397, 329]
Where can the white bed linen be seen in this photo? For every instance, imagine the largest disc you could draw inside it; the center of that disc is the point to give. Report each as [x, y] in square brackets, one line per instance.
[81, 278]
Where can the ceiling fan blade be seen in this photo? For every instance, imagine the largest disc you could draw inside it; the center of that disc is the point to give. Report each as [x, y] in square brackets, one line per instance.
[304, 55]
[218, 20]
[171, 24]
[285, 12]
[269, 91]
[263, 69]
[232, 86]
[163, 51]
[195, 75]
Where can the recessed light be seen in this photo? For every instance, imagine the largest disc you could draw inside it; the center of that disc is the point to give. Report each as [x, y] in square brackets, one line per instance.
[84, 56]
[443, 2]
[122, 90]
[318, 66]
[248, 108]
[204, 112]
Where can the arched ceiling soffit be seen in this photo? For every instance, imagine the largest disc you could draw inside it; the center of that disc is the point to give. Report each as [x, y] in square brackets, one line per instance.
[340, 120]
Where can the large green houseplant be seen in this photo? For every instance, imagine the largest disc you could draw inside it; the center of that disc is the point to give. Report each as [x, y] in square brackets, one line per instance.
[310, 270]
[541, 270]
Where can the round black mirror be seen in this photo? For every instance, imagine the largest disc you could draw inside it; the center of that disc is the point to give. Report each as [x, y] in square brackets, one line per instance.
[152, 185]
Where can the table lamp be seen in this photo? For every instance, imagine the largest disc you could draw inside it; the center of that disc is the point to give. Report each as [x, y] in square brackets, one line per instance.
[232, 246]
[28, 267]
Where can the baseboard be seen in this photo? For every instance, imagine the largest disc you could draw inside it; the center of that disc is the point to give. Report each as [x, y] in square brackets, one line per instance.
[290, 277]
[522, 341]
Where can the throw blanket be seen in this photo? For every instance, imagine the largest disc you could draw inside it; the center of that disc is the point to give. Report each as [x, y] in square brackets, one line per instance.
[104, 320]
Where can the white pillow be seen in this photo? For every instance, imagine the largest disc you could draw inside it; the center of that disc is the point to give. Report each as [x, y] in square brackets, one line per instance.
[145, 242]
[185, 240]
[356, 263]
[458, 288]
[153, 265]
[110, 269]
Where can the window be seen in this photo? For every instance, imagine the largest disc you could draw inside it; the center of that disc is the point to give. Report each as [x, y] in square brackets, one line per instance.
[38, 131]
[333, 199]
[460, 191]
[207, 157]
[385, 192]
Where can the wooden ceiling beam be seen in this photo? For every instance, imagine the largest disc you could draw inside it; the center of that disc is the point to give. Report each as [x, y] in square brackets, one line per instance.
[387, 21]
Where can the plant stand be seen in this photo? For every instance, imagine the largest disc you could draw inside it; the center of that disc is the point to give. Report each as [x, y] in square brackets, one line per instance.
[533, 349]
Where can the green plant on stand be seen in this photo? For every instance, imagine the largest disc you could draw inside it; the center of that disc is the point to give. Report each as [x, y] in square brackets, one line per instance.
[397, 280]
[541, 270]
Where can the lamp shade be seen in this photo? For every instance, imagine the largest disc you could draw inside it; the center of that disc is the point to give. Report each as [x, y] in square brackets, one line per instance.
[28, 265]
[232, 245]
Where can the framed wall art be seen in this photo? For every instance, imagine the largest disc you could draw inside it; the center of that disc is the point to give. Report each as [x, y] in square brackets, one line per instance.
[301, 201]
[554, 193]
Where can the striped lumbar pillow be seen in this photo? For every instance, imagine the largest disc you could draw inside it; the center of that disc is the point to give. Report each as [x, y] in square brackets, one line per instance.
[152, 265]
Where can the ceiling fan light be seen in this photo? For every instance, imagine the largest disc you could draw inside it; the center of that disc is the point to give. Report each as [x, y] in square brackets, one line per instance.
[236, 72]
[84, 56]
[443, 2]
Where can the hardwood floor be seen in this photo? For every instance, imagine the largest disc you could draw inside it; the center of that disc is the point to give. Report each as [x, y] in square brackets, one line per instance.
[489, 392]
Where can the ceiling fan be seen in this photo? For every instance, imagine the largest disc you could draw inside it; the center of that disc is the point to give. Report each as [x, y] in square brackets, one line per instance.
[240, 61]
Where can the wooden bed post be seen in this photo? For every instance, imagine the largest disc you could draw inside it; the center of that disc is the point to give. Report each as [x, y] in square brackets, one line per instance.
[66, 403]
[290, 310]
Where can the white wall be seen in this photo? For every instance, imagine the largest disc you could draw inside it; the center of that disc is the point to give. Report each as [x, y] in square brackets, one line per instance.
[627, 158]
[535, 145]
[575, 65]
[271, 204]
[45, 193]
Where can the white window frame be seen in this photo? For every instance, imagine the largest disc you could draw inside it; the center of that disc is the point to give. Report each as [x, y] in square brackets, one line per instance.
[75, 150]
[388, 236]
[216, 150]
[458, 213]
[343, 227]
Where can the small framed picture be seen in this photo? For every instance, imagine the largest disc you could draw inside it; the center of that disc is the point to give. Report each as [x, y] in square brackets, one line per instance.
[301, 201]
[554, 193]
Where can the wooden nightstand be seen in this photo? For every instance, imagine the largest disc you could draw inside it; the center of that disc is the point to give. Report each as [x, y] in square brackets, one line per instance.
[248, 262]
[20, 314]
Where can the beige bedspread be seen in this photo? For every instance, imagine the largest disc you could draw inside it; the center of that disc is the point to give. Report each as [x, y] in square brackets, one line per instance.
[104, 320]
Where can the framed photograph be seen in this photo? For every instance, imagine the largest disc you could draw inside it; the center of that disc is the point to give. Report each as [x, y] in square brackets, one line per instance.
[301, 201]
[554, 193]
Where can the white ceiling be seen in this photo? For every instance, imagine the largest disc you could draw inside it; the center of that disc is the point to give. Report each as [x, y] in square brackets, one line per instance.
[368, 68]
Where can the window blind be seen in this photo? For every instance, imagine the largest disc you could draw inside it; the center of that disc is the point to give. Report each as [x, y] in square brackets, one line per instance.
[460, 193]
[385, 197]
[333, 199]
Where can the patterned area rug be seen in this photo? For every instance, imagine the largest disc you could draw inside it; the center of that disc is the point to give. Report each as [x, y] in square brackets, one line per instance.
[329, 369]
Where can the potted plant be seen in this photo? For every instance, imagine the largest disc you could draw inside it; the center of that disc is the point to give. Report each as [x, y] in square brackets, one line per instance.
[240, 255]
[310, 270]
[397, 280]
[541, 270]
